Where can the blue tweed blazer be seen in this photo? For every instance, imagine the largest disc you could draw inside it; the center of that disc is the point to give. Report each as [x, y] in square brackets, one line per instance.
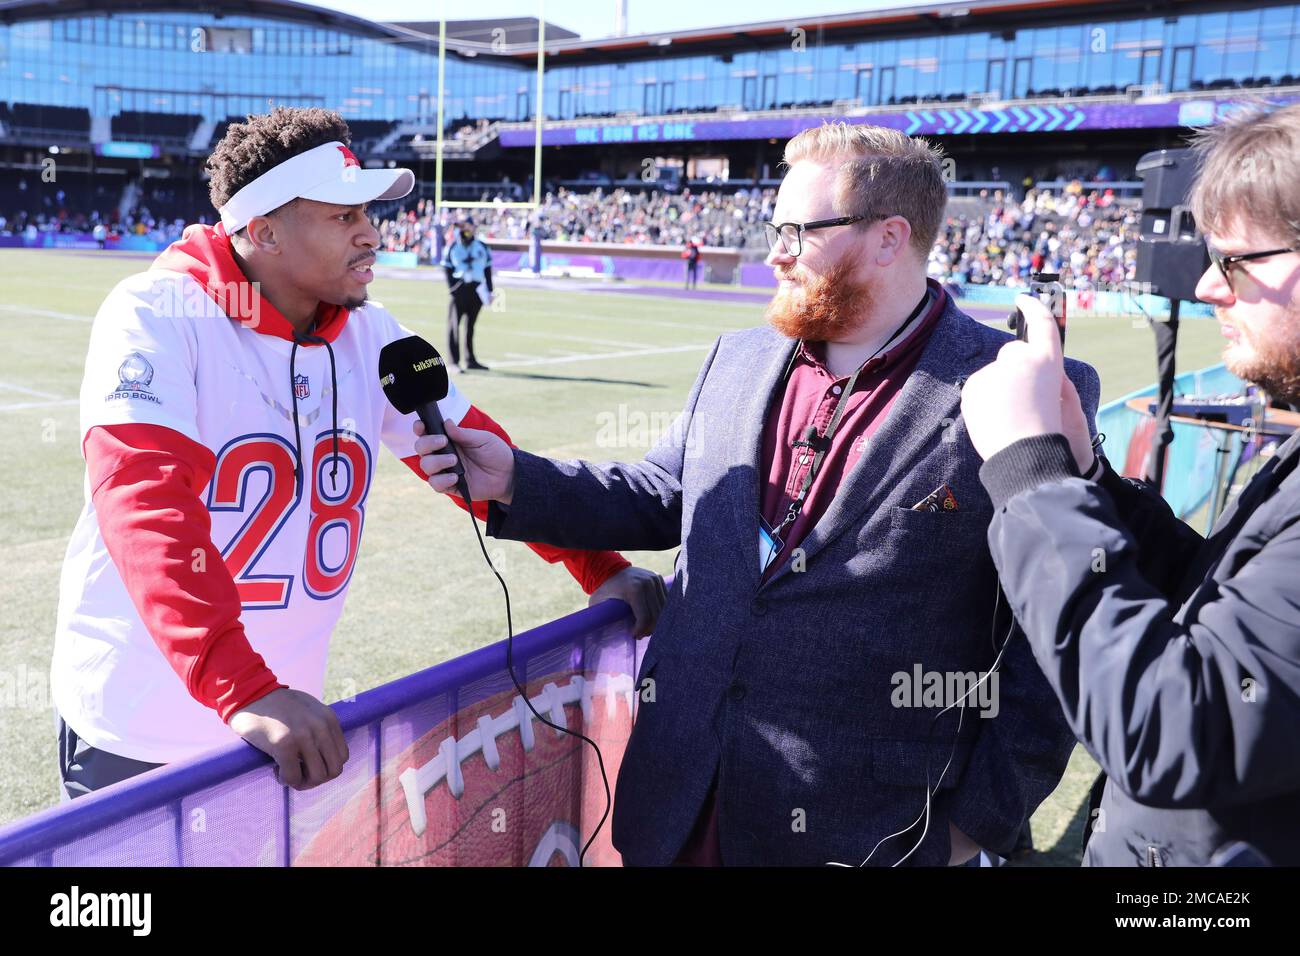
[790, 694]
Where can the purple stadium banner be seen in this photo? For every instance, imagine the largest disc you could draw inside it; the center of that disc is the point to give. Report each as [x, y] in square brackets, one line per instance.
[926, 119]
[446, 767]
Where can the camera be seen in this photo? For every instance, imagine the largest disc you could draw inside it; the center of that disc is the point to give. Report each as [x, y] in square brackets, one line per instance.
[1046, 288]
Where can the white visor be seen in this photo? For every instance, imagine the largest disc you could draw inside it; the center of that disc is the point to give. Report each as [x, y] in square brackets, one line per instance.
[327, 173]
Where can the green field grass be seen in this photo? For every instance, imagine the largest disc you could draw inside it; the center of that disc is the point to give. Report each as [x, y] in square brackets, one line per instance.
[420, 593]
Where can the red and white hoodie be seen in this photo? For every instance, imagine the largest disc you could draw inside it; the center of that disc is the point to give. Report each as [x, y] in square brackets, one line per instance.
[207, 569]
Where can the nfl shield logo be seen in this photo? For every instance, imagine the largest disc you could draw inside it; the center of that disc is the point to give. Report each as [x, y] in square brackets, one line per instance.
[300, 386]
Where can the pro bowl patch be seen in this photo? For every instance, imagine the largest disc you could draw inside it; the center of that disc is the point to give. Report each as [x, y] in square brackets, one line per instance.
[134, 376]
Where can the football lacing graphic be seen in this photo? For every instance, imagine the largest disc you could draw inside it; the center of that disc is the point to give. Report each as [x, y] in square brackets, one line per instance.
[560, 837]
[418, 781]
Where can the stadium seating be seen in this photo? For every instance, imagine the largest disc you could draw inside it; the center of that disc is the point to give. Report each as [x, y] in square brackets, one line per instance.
[166, 200]
[74, 196]
[367, 133]
[66, 121]
[171, 128]
[1087, 236]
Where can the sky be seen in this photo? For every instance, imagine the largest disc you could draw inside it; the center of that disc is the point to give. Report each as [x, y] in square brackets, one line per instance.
[595, 18]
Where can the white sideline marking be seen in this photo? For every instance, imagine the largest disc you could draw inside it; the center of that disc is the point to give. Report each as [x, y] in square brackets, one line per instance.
[28, 310]
[558, 360]
[617, 343]
[26, 391]
[19, 406]
[657, 323]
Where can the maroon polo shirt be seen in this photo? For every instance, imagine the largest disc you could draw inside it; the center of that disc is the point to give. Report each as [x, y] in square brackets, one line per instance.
[809, 399]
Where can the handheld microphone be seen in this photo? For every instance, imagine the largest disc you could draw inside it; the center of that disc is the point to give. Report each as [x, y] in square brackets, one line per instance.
[414, 378]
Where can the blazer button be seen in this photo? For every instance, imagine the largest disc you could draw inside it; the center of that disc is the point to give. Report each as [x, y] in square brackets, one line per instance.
[759, 607]
[737, 691]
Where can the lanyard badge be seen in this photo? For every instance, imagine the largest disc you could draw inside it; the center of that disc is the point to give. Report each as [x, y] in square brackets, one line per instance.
[769, 544]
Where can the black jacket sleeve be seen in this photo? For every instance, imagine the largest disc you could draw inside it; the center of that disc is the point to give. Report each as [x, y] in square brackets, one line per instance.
[1179, 713]
[1166, 544]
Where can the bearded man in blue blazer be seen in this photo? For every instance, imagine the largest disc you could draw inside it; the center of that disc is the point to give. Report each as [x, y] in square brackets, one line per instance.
[824, 662]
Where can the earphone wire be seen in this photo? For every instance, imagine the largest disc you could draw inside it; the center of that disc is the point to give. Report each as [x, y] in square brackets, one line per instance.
[930, 789]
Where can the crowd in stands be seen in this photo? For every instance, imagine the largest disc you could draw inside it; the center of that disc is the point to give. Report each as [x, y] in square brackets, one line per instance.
[30, 210]
[1089, 237]
[78, 202]
[139, 223]
[732, 220]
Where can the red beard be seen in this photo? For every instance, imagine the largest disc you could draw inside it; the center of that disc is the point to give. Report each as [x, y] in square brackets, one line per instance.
[1273, 365]
[825, 309]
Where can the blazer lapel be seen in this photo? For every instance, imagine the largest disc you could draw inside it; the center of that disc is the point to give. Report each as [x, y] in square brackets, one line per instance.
[747, 450]
[931, 396]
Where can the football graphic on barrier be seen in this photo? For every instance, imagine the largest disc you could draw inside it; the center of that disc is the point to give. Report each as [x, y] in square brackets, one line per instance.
[492, 785]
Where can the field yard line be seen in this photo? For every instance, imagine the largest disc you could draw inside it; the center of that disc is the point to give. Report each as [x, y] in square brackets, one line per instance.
[28, 310]
[621, 343]
[18, 406]
[619, 320]
[26, 391]
[558, 360]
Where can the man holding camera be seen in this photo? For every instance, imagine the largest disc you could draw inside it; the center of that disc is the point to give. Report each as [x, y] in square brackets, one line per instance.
[1176, 658]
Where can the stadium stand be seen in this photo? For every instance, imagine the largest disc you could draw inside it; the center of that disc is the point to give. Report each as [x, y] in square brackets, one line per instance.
[170, 128]
[1088, 236]
[69, 122]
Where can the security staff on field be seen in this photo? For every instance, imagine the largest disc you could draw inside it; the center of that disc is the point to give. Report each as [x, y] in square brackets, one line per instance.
[468, 264]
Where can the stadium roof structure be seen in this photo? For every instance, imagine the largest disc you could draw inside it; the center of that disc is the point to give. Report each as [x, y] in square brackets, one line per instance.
[991, 15]
[518, 31]
[519, 43]
[14, 10]
[472, 36]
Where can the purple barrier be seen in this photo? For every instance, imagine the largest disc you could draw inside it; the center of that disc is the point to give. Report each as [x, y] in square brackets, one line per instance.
[601, 265]
[508, 260]
[82, 240]
[758, 274]
[446, 767]
[617, 266]
[64, 240]
[660, 270]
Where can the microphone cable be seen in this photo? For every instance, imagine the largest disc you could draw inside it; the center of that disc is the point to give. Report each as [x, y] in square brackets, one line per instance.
[463, 487]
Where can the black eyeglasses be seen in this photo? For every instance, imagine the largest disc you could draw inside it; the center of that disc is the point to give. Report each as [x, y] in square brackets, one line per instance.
[790, 234]
[1225, 263]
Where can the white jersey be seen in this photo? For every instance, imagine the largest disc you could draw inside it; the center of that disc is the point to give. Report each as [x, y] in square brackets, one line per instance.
[162, 352]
